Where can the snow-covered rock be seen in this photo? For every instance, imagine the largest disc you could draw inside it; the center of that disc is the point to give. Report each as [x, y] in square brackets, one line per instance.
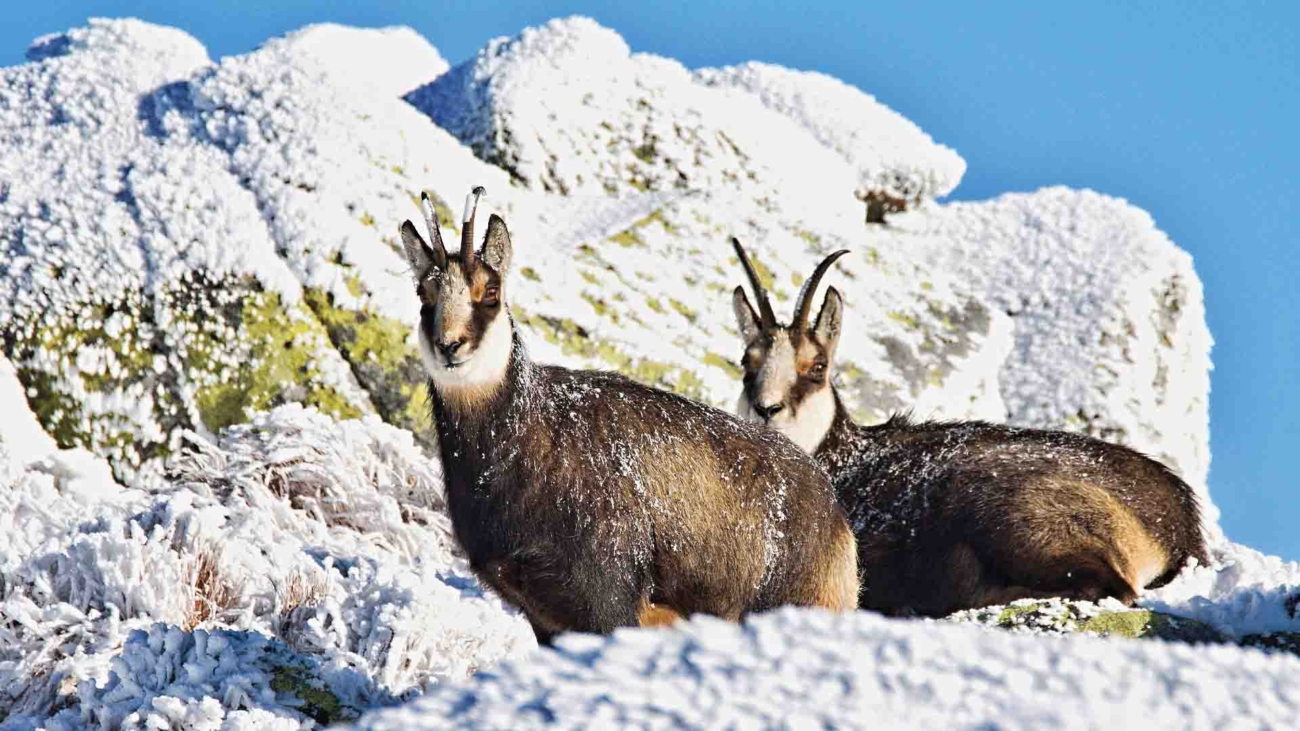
[890, 153]
[164, 255]
[386, 62]
[1110, 333]
[568, 108]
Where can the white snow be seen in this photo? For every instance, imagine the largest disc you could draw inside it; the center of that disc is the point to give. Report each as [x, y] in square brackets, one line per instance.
[809, 669]
[330, 550]
[386, 62]
[890, 152]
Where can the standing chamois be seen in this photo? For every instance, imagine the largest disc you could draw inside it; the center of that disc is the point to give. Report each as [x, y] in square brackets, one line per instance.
[954, 515]
[591, 501]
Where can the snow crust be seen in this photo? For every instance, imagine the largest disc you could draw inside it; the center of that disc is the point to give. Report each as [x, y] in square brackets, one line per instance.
[808, 669]
[387, 62]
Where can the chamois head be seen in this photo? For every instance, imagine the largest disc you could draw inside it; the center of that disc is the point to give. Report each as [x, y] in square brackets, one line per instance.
[465, 328]
[787, 367]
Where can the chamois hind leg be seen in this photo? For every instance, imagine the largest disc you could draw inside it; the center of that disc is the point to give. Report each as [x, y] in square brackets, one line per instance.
[831, 578]
[651, 614]
[1086, 573]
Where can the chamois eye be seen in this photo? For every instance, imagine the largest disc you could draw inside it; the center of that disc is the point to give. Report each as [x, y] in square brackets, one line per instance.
[818, 371]
[491, 294]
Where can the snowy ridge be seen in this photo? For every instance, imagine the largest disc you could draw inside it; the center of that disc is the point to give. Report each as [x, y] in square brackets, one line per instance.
[891, 153]
[810, 669]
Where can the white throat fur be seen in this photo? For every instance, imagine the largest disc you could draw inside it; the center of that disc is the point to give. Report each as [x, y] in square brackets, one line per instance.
[484, 369]
[807, 427]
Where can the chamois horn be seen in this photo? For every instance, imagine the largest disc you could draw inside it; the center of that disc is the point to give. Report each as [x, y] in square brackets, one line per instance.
[810, 289]
[766, 317]
[467, 259]
[435, 233]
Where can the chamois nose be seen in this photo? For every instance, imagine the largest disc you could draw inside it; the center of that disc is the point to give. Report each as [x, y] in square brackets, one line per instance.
[449, 349]
[769, 411]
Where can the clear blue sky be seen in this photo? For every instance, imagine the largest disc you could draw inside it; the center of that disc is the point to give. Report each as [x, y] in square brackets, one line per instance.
[1189, 110]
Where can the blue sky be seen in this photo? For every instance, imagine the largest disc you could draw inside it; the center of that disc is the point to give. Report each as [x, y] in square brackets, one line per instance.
[1189, 110]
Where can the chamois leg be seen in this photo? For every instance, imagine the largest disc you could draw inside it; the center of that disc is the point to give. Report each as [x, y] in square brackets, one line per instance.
[657, 615]
[832, 581]
[1087, 575]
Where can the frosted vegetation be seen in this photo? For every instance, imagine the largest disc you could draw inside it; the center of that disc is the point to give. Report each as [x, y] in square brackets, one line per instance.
[217, 504]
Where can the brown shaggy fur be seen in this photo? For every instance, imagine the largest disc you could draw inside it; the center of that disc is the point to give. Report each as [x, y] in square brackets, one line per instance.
[593, 502]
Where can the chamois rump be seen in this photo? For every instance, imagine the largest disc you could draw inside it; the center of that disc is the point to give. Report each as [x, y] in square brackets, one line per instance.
[954, 515]
[591, 501]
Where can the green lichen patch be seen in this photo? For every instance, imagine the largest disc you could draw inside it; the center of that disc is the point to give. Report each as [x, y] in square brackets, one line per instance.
[376, 348]
[1056, 616]
[271, 359]
[683, 310]
[717, 361]
[95, 377]
[631, 237]
[576, 340]
[314, 699]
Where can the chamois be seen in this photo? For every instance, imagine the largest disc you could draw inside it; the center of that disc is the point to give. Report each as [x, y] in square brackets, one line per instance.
[591, 501]
[955, 515]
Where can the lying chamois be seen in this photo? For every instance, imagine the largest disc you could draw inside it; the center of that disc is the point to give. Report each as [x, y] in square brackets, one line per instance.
[953, 515]
[593, 502]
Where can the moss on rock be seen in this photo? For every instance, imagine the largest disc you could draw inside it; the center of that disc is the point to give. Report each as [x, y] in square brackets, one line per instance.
[314, 699]
[271, 359]
[1056, 616]
[576, 340]
[383, 362]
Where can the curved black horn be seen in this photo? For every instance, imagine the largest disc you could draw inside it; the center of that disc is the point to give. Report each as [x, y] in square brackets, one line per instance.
[435, 233]
[467, 228]
[810, 289]
[766, 317]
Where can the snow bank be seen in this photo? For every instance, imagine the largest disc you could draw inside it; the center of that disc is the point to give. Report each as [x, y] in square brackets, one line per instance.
[568, 108]
[807, 669]
[303, 549]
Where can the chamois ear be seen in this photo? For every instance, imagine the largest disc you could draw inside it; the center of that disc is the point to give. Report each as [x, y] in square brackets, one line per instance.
[418, 253]
[827, 329]
[746, 318]
[496, 245]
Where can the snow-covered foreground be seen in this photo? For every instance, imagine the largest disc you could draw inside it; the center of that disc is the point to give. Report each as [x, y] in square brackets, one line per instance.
[302, 570]
[810, 669]
[301, 551]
